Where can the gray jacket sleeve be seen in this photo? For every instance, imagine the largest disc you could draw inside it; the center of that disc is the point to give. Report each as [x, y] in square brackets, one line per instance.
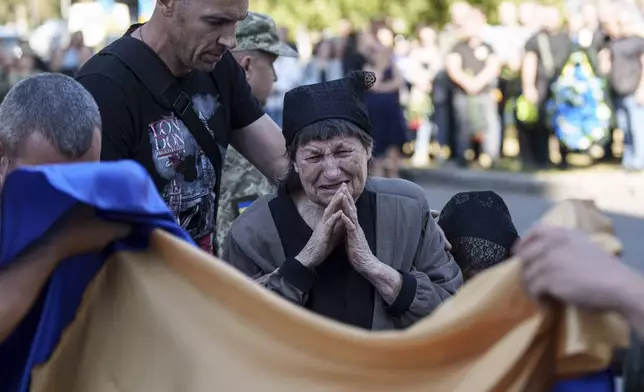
[433, 277]
[287, 278]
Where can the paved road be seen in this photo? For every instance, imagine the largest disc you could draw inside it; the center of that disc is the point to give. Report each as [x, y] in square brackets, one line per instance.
[527, 209]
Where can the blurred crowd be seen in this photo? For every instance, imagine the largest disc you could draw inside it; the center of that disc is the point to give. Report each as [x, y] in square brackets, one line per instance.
[538, 85]
[19, 61]
[541, 79]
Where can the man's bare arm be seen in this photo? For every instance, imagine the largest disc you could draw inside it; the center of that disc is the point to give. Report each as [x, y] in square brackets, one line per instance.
[78, 232]
[529, 71]
[604, 58]
[22, 282]
[262, 143]
[490, 72]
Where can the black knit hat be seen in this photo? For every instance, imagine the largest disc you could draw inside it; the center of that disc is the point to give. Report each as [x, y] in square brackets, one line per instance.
[479, 227]
[338, 99]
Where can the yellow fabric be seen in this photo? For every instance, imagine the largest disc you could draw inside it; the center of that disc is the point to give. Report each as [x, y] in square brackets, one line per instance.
[176, 319]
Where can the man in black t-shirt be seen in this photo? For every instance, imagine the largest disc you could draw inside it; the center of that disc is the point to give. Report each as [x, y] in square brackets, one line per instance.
[193, 39]
[474, 68]
[546, 52]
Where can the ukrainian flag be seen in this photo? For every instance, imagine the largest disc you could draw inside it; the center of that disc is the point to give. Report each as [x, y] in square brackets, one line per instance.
[156, 314]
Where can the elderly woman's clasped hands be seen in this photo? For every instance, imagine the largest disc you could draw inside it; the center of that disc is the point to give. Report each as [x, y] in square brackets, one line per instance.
[339, 221]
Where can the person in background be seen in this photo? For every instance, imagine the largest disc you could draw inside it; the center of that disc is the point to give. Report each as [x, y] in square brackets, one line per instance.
[425, 62]
[339, 49]
[284, 35]
[546, 53]
[590, 17]
[386, 37]
[258, 47]
[507, 40]
[187, 43]
[609, 28]
[623, 61]
[529, 13]
[46, 119]
[325, 64]
[443, 88]
[332, 240]
[345, 28]
[6, 62]
[474, 68]
[389, 127]
[428, 54]
[69, 60]
[459, 12]
[24, 66]
[355, 55]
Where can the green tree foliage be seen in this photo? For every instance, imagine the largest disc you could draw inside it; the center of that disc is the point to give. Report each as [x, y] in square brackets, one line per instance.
[8, 9]
[312, 14]
[321, 14]
[36, 11]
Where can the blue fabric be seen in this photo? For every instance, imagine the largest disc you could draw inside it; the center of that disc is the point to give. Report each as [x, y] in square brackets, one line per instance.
[598, 382]
[33, 199]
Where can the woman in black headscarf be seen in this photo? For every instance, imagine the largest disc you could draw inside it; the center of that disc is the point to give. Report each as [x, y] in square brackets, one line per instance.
[479, 227]
[361, 250]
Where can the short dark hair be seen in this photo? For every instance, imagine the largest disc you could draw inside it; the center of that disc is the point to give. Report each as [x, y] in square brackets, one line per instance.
[53, 105]
[321, 131]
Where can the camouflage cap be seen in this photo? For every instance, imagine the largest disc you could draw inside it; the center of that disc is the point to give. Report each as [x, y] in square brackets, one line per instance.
[258, 32]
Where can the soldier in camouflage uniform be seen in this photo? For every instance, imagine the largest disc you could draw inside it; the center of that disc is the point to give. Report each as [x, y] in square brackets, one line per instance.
[258, 46]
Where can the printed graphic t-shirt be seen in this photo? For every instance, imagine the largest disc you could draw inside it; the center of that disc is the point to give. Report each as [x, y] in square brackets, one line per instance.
[136, 127]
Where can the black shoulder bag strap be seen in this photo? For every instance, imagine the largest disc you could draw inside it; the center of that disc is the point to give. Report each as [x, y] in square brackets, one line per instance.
[157, 78]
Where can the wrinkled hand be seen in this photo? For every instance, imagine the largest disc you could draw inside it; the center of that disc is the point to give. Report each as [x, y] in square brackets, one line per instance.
[566, 265]
[435, 215]
[358, 251]
[325, 235]
[80, 231]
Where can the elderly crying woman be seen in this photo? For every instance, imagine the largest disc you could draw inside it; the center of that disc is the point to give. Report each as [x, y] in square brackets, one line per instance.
[363, 251]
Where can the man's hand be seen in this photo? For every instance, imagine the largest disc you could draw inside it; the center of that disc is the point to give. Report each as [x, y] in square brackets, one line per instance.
[80, 231]
[566, 265]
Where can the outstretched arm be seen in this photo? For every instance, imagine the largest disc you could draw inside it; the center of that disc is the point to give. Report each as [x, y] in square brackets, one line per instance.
[80, 231]
[21, 283]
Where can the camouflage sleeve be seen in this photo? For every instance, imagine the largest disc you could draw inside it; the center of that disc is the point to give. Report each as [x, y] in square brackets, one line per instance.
[241, 184]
